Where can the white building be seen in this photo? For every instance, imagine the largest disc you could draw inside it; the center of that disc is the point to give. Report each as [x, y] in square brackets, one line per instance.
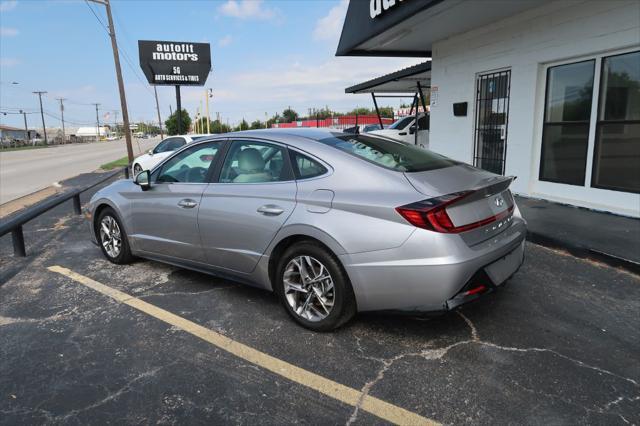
[552, 88]
[90, 132]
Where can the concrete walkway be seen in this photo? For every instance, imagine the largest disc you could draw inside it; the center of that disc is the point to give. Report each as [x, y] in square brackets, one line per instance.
[606, 237]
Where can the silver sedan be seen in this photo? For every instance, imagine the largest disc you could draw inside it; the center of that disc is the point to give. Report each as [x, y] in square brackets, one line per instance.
[333, 223]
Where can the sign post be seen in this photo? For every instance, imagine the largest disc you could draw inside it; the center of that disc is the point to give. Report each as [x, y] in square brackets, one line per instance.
[179, 106]
[175, 63]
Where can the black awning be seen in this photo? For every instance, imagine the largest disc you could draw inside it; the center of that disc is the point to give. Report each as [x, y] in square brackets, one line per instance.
[359, 27]
[404, 81]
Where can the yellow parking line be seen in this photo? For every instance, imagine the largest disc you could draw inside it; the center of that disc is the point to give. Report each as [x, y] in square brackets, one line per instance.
[345, 394]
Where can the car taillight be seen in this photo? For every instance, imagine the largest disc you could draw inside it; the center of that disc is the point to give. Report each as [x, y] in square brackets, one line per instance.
[431, 214]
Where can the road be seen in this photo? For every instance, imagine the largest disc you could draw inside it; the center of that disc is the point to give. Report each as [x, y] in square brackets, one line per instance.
[25, 171]
[85, 341]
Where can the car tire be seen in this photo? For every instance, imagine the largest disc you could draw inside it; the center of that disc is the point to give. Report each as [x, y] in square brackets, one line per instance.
[112, 238]
[333, 292]
[136, 169]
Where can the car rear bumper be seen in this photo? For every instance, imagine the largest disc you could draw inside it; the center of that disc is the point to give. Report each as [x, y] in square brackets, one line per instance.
[430, 273]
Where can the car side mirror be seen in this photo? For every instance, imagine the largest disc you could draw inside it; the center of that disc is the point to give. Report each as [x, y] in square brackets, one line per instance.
[412, 129]
[143, 179]
[150, 152]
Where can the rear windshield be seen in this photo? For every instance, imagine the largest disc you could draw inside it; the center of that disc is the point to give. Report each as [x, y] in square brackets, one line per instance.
[389, 154]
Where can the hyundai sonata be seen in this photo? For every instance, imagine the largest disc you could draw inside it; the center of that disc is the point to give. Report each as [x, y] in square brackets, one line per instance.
[333, 223]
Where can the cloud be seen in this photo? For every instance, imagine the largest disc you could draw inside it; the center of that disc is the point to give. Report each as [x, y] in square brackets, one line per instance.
[8, 32]
[8, 5]
[300, 85]
[329, 27]
[225, 41]
[247, 9]
[9, 62]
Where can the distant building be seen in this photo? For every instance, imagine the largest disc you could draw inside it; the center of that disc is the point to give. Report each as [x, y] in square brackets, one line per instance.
[86, 133]
[9, 134]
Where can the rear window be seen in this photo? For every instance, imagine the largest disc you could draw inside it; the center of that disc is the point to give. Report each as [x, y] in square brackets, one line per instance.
[389, 154]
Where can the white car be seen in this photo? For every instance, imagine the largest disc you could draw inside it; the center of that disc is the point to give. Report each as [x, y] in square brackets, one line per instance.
[404, 130]
[165, 148]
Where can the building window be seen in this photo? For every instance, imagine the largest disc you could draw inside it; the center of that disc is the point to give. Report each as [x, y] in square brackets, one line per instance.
[616, 158]
[565, 136]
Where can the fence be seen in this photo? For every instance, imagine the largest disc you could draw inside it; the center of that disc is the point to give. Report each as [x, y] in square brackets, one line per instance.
[14, 223]
[341, 122]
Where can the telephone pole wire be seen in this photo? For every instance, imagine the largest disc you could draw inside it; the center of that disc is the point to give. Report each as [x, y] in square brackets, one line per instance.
[64, 138]
[97, 123]
[44, 129]
[116, 59]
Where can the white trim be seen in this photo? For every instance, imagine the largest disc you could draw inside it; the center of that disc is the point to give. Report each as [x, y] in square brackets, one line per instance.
[581, 195]
[593, 121]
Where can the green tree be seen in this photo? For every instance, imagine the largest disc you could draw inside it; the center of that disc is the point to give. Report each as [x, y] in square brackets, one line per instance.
[275, 119]
[172, 122]
[289, 115]
[218, 127]
[242, 126]
[257, 125]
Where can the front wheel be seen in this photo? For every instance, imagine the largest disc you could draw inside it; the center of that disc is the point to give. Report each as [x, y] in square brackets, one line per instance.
[112, 238]
[314, 288]
[136, 169]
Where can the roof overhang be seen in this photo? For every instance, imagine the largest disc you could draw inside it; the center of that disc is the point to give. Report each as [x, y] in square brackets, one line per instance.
[404, 81]
[408, 28]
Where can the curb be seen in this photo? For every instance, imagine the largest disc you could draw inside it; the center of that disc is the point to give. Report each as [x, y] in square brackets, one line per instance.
[584, 252]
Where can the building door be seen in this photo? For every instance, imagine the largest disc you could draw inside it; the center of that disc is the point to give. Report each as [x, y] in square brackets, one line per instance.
[492, 117]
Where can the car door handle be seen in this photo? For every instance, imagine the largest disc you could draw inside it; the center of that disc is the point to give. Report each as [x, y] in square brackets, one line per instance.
[270, 210]
[187, 203]
[402, 134]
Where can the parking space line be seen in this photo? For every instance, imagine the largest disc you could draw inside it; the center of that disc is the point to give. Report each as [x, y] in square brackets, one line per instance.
[342, 393]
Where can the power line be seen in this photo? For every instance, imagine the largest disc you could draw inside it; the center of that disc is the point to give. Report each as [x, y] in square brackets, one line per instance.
[102, 24]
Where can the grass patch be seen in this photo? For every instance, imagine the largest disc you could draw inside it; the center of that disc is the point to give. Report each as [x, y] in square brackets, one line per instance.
[23, 148]
[123, 162]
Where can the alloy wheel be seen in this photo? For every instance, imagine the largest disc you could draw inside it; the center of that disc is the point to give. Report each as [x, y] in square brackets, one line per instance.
[110, 236]
[308, 288]
[137, 169]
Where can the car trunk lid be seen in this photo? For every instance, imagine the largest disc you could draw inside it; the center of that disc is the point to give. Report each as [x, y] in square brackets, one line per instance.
[477, 203]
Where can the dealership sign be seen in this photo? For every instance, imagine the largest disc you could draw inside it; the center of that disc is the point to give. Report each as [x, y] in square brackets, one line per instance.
[377, 7]
[175, 63]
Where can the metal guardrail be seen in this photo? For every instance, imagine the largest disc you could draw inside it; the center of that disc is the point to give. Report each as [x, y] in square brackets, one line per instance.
[15, 222]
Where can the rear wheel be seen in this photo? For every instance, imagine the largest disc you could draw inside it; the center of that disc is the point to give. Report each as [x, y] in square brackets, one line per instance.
[112, 238]
[314, 288]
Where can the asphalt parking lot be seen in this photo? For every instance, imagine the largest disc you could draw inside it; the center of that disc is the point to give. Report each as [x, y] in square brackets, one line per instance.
[88, 342]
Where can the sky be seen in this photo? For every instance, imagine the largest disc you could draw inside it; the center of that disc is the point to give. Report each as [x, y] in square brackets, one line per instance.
[266, 56]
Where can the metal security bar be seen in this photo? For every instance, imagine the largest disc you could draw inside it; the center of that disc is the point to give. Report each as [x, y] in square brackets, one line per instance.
[491, 121]
[14, 223]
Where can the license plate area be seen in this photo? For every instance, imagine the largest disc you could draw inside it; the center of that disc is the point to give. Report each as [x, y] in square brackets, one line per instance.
[500, 270]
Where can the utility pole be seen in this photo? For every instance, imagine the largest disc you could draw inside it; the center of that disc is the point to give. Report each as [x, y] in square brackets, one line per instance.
[97, 123]
[64, 139]
[116, 59]
[208, 94]
[26, 129]
[155, 90]
[44, 129]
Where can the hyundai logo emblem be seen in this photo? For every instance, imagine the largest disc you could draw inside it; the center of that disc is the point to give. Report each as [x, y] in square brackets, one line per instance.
[499, 201]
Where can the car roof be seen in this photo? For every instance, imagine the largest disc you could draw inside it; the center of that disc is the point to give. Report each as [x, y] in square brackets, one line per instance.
[303, 132]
